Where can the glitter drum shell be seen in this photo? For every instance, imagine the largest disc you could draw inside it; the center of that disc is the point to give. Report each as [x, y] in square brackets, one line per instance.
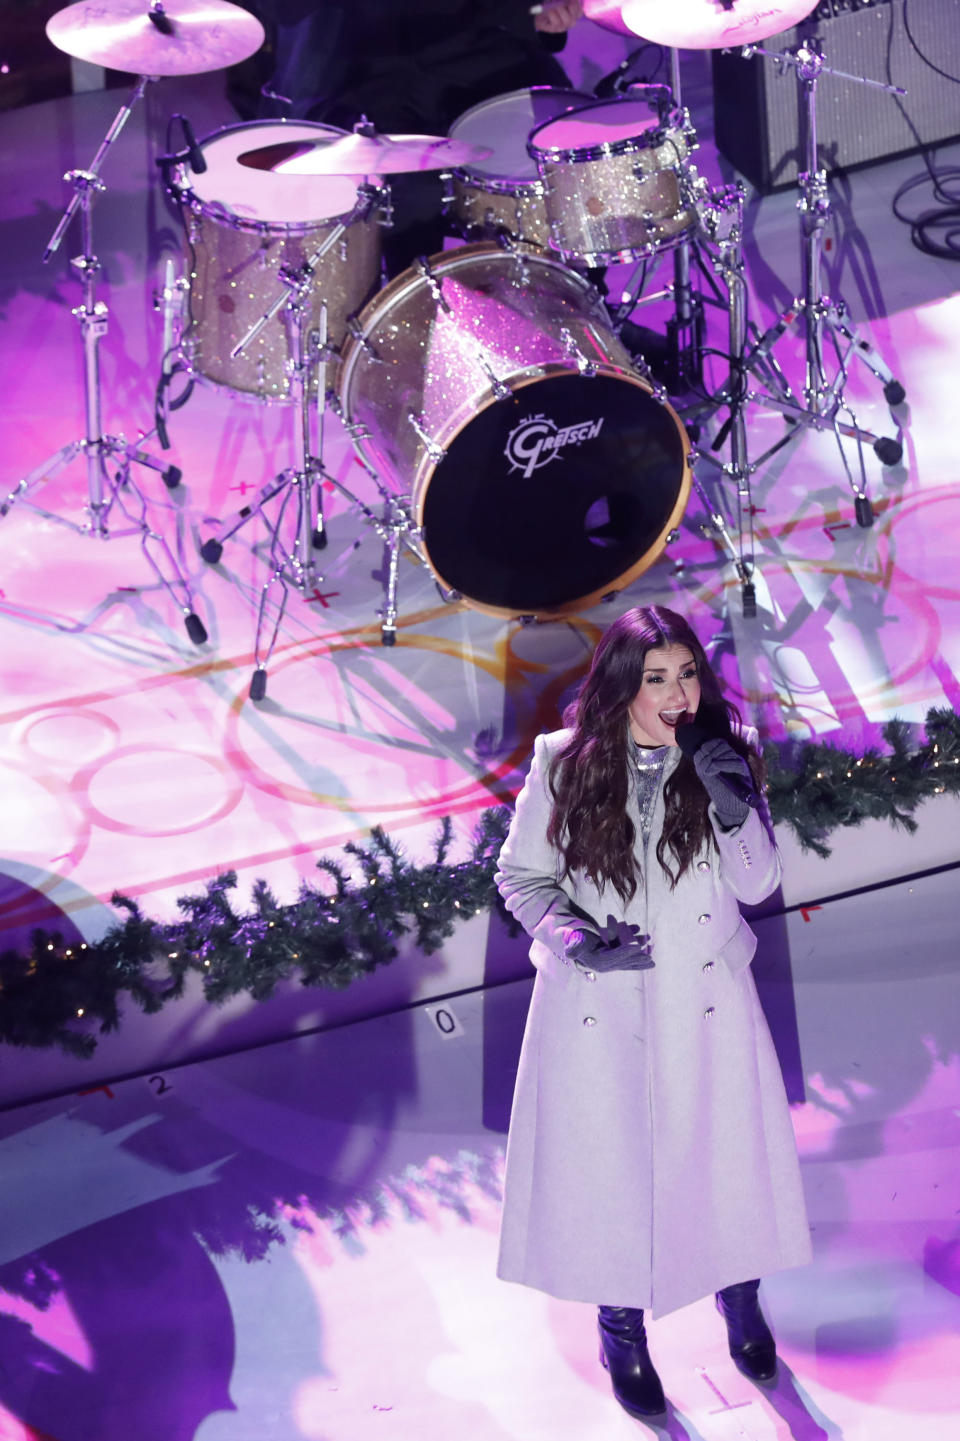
[504, 192]
[618, 182]
[488, 390]
[242, 225]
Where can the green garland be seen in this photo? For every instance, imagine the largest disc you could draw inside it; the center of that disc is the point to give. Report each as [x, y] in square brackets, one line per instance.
[331, 936]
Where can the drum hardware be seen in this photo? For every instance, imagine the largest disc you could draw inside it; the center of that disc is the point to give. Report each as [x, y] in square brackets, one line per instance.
[109, 458]
[823, 404]
[149, 40]
[309, 354]
[292, 300]
[435, 453]
[730, 268]
[585, 366]
[170, 301]
[685, 327]
[396, 528]
[515, 249]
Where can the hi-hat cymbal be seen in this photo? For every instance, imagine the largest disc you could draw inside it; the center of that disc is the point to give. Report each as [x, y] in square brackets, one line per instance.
[364, 155]
[167, 37]
[699, 24]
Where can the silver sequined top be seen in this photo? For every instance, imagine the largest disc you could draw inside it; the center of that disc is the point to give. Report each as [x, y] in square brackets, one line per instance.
[649, 765]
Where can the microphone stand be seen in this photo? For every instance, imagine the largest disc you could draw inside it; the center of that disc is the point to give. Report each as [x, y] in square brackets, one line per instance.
[109, 458]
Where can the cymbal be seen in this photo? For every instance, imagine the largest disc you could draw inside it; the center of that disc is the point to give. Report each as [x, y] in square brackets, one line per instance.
[183, 37]
[698, 24]
[364, 155]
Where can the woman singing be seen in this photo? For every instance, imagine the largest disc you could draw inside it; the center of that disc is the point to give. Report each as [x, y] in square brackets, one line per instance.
[651, 1158]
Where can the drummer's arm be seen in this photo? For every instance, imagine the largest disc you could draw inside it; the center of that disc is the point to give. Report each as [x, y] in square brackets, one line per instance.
[555, 17]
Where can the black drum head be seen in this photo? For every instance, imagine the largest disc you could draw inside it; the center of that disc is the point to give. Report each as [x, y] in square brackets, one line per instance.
[556, 494]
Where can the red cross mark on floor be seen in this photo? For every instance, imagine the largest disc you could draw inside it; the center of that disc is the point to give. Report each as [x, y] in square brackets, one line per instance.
[828, 530]
[243, 487]
[94, 1089]
[319, 595]
[807, 911]
[757, 510]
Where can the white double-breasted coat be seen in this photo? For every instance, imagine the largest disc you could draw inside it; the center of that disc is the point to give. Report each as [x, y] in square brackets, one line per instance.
[651, 1157]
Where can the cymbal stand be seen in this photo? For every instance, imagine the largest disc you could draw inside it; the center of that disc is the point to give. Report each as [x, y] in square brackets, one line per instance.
[685, 325]
[823, 406]
[292, 298]
[109, 458]
[726, 242]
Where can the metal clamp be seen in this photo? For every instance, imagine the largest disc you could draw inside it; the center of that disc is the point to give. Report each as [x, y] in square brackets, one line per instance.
[584, 364]
[434, 285]
[418, 423]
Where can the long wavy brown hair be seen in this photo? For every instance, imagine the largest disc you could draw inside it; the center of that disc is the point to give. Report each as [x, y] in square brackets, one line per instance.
[589, 776]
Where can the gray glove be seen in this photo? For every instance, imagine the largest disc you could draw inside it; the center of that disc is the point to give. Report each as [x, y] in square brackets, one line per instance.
[618, 947]
[727, 780]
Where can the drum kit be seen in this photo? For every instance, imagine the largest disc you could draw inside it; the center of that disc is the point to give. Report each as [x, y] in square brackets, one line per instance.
[516, 448]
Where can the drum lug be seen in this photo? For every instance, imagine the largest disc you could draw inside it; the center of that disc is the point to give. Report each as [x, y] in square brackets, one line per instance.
[507, 242]
[584, 365]
[434, 284]
[501, 391]
[358, 334]
[643, 370]
[434, 451]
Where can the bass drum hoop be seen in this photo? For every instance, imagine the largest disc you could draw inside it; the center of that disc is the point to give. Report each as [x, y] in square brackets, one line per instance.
[428, 469]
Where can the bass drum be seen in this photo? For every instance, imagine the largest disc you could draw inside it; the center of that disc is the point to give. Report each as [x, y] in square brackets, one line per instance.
[486, 388]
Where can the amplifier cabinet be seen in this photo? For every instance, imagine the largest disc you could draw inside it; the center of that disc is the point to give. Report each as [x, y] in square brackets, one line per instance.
[757, 107]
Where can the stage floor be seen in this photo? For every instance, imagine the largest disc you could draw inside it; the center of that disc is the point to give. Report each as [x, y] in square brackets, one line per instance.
[299, 1240]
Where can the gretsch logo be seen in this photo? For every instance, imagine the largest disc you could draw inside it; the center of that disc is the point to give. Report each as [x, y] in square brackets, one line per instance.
[536, 441]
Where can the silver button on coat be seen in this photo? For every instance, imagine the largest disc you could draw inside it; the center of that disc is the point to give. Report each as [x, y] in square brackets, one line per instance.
[589, 1020]
[704, 920]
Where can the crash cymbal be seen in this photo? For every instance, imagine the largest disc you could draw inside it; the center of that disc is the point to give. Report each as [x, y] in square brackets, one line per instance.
[698, 24]
[167, 37]
[364, 155]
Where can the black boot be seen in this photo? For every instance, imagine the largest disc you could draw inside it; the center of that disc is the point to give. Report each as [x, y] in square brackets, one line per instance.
[623, 1352]
[752, 1345]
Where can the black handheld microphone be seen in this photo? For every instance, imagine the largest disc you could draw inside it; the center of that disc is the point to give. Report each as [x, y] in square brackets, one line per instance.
[692, 736]
[195, 157]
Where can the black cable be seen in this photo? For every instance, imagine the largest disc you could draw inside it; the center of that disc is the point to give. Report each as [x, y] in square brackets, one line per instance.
[924, 57]
[934, 231]
[163, 406]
